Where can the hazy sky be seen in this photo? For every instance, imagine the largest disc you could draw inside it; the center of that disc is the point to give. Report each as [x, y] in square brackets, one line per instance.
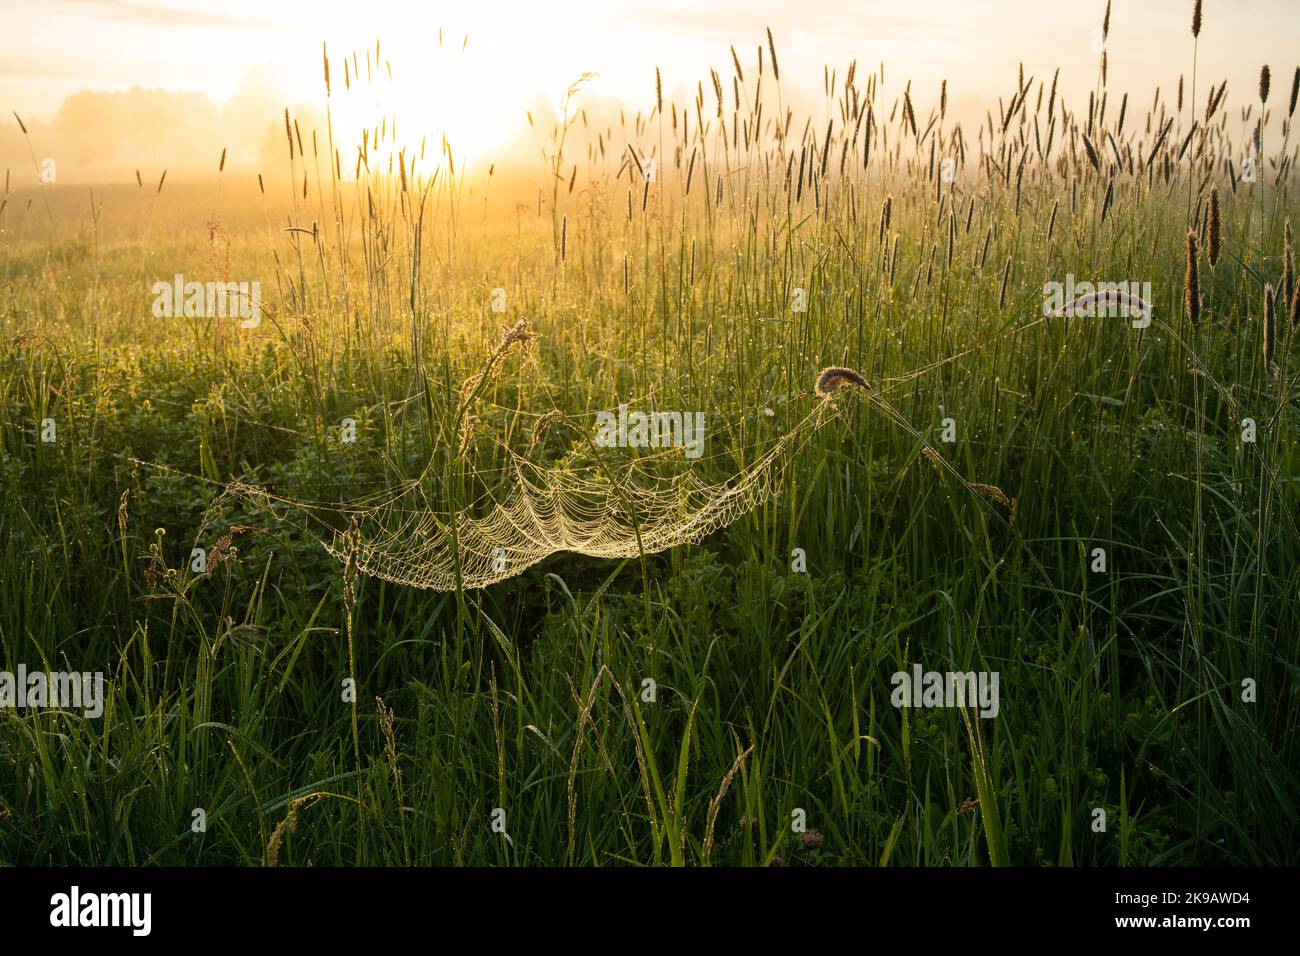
[519, 52]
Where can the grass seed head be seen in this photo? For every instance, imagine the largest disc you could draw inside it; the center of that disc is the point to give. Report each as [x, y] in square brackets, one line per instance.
[1192, 283]
[832, 379]
[1215, 237]
[1270, 324]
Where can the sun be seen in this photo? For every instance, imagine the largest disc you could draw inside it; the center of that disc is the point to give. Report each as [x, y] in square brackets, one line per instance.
[447, 101]
[460, 81]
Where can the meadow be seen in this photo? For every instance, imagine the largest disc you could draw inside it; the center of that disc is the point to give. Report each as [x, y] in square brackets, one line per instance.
[1103, 515]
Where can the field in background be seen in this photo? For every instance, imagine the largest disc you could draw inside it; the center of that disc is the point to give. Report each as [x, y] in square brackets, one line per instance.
[514, 724]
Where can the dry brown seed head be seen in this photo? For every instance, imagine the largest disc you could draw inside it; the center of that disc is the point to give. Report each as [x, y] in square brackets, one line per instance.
[832, 379]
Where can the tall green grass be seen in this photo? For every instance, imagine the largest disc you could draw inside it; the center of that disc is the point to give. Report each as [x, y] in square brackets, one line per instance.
[1120, 690]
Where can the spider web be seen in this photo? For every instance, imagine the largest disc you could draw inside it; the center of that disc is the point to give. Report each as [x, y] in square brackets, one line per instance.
[586, 505]
[589, 503]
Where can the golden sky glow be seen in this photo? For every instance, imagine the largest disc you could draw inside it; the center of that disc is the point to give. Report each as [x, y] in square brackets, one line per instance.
[520, 55]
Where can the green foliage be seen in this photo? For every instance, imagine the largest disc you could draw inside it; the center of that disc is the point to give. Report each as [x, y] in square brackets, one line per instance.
[772, 688]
